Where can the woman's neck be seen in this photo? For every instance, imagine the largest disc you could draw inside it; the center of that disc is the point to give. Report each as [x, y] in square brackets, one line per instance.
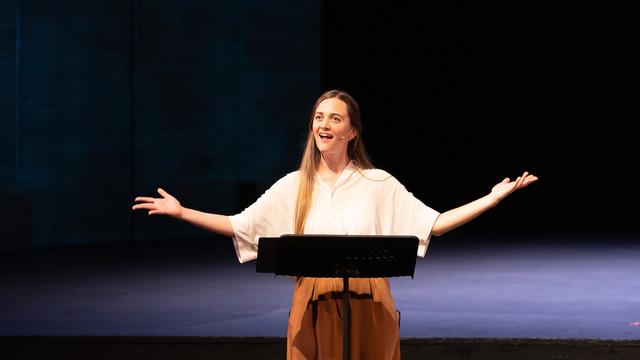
[332, 165]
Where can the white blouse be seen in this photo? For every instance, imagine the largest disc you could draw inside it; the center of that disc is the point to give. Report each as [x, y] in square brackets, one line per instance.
[361, 202]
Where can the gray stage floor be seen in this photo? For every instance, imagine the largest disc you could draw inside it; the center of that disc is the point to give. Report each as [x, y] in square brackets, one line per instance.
[472, 287]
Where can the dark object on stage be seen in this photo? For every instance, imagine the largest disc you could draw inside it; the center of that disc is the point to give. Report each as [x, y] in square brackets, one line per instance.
[339, 256]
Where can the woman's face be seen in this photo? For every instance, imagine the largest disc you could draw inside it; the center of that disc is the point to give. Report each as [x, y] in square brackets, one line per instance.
[331, 127]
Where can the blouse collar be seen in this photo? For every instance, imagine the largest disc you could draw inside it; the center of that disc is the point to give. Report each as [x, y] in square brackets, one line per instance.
[343, 177]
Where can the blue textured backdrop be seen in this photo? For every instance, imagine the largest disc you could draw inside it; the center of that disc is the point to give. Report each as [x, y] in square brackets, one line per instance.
[104, 100]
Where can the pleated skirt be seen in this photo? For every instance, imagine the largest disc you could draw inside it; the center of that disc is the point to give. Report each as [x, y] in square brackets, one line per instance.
[315, 320]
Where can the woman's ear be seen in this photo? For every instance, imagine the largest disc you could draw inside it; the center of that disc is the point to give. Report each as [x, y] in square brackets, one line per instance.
[353, 134]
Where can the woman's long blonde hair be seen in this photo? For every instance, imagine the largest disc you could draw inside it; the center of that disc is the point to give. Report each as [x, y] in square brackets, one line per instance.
[311, 157]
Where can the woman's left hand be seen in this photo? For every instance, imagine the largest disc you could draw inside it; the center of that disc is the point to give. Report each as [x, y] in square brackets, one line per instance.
[506, 187]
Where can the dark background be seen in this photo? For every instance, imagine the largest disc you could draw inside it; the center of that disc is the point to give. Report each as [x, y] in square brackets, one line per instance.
[102, 101]
[460, 95]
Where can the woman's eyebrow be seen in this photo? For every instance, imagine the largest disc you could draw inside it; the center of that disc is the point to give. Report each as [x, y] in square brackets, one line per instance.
[321, 113]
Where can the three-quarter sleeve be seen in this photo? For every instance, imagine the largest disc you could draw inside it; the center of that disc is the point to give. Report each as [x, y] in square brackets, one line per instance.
[271, 215]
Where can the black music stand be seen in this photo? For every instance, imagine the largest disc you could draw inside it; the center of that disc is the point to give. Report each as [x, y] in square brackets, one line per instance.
[338, 256]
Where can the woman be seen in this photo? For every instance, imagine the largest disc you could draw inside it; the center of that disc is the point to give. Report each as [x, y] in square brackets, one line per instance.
[338, 192]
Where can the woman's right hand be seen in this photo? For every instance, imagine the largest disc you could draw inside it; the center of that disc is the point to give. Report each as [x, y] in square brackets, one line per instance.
[167, 205]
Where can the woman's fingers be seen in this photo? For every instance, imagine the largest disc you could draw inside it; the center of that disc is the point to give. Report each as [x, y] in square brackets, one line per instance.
[149, 199]
[523, 177]
[530, 179]
[526, 179]
[153, 209]
[163, 193]
[147, 206]
[517, 182]
[506, 187]
[154, 205]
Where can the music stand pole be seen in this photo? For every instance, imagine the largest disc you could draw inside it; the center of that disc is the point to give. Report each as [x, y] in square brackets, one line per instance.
[346, 319]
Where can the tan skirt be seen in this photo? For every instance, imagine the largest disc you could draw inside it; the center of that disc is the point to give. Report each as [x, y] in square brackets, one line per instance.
[315, 321]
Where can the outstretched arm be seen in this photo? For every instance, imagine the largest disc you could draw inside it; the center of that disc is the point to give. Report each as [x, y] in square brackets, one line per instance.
[459, 216]
[170, 206]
